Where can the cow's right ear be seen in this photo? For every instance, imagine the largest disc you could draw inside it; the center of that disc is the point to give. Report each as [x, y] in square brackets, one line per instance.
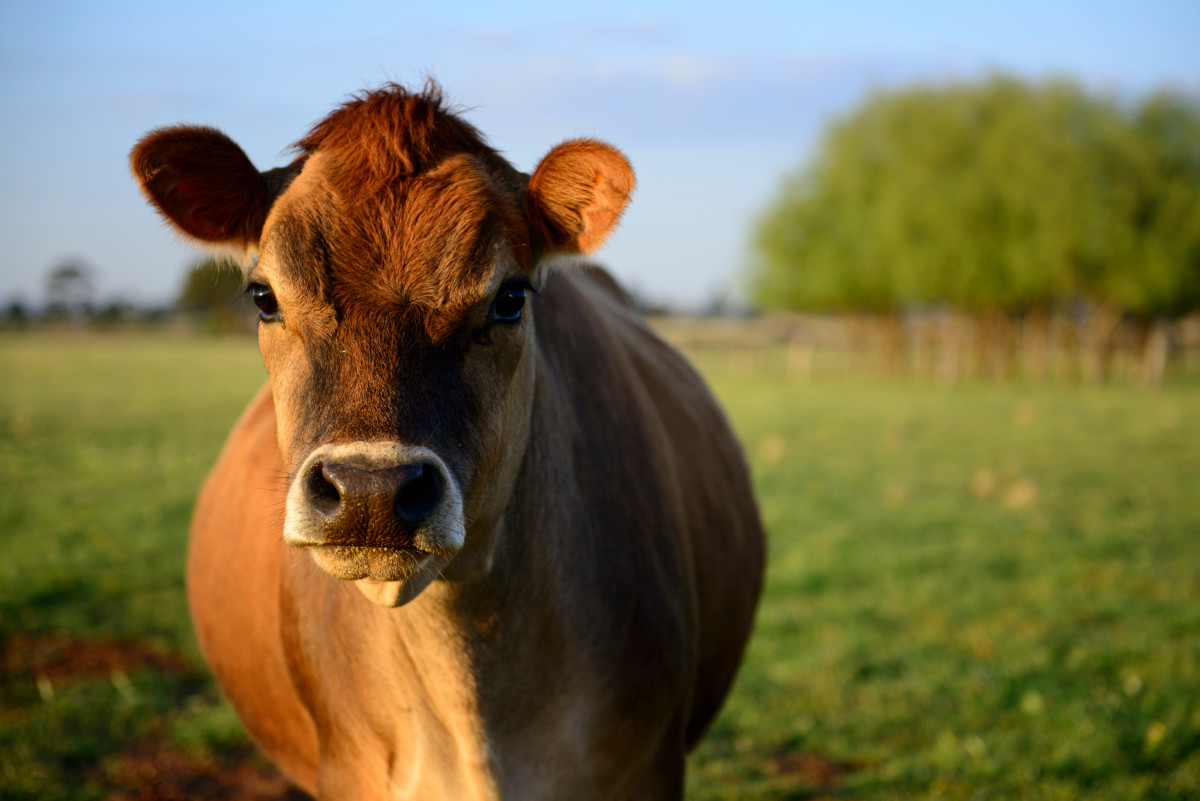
[203, 183]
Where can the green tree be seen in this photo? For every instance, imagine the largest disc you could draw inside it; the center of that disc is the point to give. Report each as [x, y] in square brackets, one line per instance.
[997, 196]
[1162, 274]
[16, 315]
[212, 290]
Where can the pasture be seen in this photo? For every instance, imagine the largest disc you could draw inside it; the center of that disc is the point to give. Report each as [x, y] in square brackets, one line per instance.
[986, 591]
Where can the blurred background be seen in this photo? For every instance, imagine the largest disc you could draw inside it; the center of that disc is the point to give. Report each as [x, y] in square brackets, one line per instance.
[941, 262]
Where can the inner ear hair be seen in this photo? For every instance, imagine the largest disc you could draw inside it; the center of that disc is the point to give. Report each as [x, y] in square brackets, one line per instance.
[577, 194]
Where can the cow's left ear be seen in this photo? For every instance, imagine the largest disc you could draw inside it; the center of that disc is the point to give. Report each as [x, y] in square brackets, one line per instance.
[577, 194]
[203, 183]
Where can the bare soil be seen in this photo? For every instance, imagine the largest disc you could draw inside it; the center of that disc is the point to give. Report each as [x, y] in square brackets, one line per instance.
[60, 657]
[813, 772]
[149, 770]
[152, 772]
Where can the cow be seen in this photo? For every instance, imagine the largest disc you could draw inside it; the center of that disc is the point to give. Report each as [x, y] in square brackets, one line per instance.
[482, 534]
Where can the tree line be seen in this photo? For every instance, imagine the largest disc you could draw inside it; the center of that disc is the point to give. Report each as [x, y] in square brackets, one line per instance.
[997, 195]
[210, 298]
[995, 199]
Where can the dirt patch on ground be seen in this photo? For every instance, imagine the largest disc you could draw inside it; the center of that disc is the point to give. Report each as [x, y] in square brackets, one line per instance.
[812, 771]
[60, 657]
[151, 772]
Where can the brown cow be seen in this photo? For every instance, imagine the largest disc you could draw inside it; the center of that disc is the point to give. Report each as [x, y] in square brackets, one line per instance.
[503, 450]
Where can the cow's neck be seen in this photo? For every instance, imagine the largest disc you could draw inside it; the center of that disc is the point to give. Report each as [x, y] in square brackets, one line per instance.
[517, 621]
[458, 657]
[392, 691]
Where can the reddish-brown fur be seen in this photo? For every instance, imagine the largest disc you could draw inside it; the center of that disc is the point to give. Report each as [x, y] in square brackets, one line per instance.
[535, 555]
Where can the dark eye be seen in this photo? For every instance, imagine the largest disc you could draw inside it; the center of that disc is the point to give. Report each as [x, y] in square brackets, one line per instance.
[506, 308]
[264, 299]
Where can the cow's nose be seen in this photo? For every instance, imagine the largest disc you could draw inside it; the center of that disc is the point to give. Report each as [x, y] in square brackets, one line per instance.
[373, 504]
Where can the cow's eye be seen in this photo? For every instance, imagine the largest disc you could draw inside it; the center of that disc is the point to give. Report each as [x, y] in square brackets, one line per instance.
[509, 302]
[264, 299]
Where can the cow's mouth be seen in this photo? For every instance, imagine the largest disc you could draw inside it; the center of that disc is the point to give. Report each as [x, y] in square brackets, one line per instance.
[376, 513]
[352, 563]
[387, 576]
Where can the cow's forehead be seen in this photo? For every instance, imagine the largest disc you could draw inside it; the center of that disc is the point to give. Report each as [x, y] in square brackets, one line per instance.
[431, 242]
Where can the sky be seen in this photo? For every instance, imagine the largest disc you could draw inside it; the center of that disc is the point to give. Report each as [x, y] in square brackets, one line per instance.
[712, 102]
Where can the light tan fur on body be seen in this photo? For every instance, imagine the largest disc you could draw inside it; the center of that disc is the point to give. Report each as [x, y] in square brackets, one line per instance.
[534, 555]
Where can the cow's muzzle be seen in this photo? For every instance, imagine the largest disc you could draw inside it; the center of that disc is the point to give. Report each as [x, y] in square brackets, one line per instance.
[386, 515]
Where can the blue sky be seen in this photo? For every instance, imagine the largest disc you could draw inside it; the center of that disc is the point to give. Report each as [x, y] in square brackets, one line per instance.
[712, 102]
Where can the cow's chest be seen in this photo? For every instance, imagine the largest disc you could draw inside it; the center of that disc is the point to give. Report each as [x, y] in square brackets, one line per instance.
[406, 709]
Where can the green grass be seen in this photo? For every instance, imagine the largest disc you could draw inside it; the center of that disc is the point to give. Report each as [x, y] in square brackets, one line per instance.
[984, 592]
[103, 445]
[991, 591]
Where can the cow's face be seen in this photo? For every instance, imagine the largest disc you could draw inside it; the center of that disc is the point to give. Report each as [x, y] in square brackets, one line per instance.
[397, 321]
[398, 336]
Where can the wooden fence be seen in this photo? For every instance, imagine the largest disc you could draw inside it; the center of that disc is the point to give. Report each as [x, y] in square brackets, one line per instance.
[1092, 347]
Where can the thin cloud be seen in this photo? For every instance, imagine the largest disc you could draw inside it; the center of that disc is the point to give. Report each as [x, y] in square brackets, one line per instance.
[653, 31]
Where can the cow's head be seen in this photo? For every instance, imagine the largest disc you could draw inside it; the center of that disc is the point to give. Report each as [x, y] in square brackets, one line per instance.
[396, 257]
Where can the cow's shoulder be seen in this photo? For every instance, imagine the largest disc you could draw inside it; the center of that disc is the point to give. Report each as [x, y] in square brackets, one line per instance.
[234, 560]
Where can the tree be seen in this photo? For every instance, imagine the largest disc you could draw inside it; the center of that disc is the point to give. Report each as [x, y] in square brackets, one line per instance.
[69, 289]
[212, 291]
[1162, 275]
[16, 315]
[998, 196]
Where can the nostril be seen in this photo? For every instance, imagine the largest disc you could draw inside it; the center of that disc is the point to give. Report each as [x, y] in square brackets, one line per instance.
[418, 496]
[323, 494]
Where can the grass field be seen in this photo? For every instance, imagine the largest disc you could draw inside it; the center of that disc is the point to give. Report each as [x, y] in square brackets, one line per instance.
[991, 591]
